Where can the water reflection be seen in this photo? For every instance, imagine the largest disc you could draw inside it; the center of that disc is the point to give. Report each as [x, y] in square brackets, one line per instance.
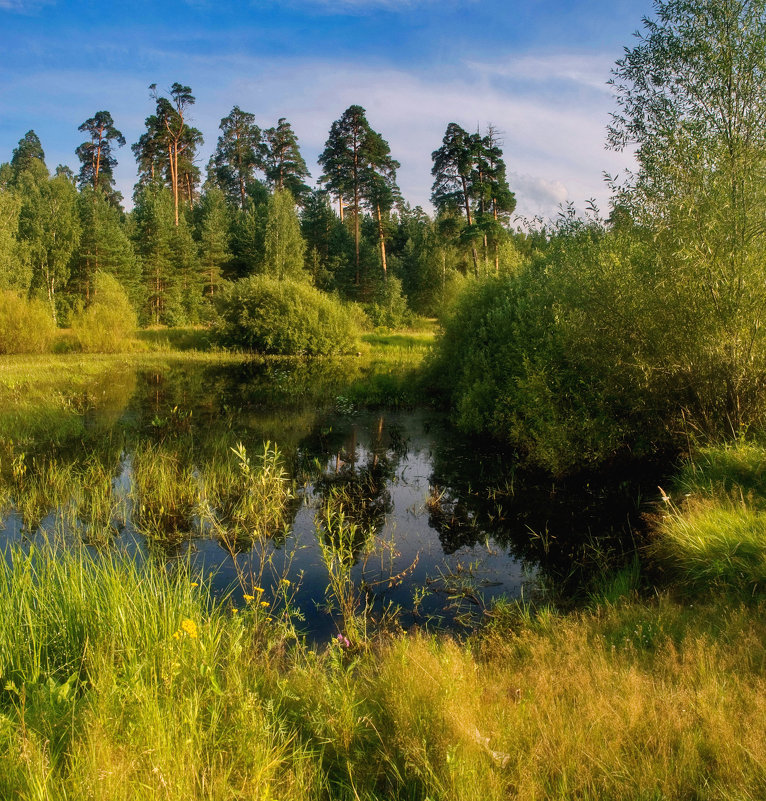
[172, 463]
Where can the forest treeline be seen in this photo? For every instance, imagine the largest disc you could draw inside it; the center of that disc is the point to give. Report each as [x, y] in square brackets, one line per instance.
[251, 213]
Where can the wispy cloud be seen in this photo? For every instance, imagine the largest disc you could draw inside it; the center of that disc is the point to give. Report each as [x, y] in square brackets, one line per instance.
[24, 6]
[586, 70]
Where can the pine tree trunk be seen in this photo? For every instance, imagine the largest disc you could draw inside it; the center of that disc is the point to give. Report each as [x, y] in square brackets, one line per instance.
[382, 243]
[98, 160]
[467, 204]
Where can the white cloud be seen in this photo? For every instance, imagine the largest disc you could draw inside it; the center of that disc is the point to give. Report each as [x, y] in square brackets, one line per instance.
[587, 70]
[553, 140]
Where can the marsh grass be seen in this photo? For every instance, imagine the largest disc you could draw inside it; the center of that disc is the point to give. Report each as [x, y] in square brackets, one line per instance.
[123, 681]
[246, 500]
[341, 539]
[165, 492]
[711, 531]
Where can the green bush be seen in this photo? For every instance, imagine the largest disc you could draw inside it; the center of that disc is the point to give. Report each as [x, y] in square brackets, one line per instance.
[26, 326]
[106, 325]
[268, 315]
[389, 308]
[574, 359]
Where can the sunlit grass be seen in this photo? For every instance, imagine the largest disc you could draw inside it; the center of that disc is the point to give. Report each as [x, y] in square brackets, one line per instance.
[126, 681]
[710, 532]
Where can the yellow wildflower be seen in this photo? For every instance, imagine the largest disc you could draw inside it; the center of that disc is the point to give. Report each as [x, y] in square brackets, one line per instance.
[194, 584]
[259, 590]
[248, 598]
[190, 628]
[264, 603]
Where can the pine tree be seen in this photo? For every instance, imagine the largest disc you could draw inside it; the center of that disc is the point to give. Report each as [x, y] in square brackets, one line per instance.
[493, 198]
[169, 146]
[469, 177]
[284, 165]
[153, 232]
[380, 190]
[29, 151]
[104, 246]
[96, 156]
[238, 154]
[358, 167]
[214, 238]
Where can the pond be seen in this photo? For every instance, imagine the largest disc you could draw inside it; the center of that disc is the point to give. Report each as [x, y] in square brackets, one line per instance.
[390, 510]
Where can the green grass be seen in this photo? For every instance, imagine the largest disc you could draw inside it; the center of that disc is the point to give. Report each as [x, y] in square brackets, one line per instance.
[124, 682]
[710, 532]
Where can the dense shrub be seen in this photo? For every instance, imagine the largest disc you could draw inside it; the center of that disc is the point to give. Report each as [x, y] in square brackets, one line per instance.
[26, 326]
[601, 344]
[106, 325]
[267, 315]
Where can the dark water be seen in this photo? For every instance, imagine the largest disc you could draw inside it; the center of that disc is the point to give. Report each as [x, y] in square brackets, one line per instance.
[450, 523]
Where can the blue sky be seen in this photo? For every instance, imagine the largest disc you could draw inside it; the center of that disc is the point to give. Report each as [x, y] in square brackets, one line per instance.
[537, 70]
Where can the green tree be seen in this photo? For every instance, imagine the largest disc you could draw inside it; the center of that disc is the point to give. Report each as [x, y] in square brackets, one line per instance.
[329, 248]
[283, 164]
[214, 239]
[50, 226]
[169, 145]
[379, 189]
[454, 172]
[284, 245]
[14, 267]
[359, 171]
[104, 246]
[692, 101]
[28, 151]
[153, 239]
[240, 151]
[494, 199]
[96, 156]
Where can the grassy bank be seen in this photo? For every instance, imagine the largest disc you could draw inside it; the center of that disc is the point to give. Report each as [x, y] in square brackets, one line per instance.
[711, 529]
[123, 683]
[45, 395]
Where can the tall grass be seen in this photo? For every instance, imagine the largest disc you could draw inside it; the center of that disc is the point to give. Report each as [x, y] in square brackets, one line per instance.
[121, 681]
[711, 530]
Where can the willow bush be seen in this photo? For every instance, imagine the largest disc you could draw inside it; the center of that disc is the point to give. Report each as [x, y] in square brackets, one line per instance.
[26, 326]
[107, 324]
[600, 345]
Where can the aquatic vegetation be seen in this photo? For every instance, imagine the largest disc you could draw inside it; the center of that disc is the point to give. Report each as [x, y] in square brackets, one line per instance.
[246, 501]
[165, 492]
